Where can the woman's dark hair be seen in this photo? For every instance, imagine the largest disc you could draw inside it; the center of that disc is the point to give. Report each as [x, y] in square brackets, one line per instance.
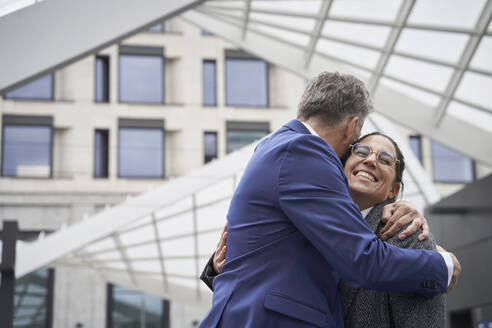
[399, 167]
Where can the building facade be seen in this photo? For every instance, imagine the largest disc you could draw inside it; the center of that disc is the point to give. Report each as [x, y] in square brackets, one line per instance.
[156, 106]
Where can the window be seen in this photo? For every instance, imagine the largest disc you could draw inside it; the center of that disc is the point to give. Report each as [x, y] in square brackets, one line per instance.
[131, 308]
[33, 299]
[416, 146]
[246, 80]
[101, 149]
[33, 293]
[141, 148]
[102, 79]
[240, 134]
[40, 89]
[157, 28]
[210, 146]
[450, 166]
[141, 75]
[27, 146]
[205, 32]
[209, 83]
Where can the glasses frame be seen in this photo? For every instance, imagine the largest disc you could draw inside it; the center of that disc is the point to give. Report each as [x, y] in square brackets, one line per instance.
[396, 161]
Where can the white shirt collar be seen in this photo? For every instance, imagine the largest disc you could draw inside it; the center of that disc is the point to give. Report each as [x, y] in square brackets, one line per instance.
[366, 211]
[310, 129]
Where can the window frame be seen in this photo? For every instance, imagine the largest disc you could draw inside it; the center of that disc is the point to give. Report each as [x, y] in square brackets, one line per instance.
[107, 155]
[52, 96]
[203, 82]
[21, 120]
[263, 126]
[108, 79]
[216, 146]
[142, 51]
[418, 137]
[150, 124]
[243, 55]
[165, 319]
[162, 31]
[472, 164]
[31, 235]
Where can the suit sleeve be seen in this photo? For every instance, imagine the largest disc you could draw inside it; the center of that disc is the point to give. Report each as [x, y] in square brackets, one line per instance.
[313, 193]
[208, 273]
[411, 310]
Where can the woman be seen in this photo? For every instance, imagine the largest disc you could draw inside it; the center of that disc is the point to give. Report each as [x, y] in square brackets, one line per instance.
[374, 181]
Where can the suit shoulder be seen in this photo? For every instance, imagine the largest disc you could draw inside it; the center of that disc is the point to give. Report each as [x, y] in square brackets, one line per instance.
[312, 144]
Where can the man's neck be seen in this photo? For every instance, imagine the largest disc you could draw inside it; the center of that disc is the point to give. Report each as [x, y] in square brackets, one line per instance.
[332, 135]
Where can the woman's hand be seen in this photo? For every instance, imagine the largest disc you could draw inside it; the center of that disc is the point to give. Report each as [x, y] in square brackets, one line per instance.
[220, 251]
[397, 215]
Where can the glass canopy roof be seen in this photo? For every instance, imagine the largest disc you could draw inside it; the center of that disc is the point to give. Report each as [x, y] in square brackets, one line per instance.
[437, 52]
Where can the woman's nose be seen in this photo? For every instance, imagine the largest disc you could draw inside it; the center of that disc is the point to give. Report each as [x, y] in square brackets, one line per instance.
[371, 158]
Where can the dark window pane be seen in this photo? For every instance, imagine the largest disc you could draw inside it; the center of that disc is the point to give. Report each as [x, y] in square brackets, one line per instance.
[210, 145]
[26, 151]
[141, 153]
[416, 146]
[450, 166]
[101, 154]
[209, 83]
[239, 139]
[157, 28]
[31, 300]
[102, 79]
[246, 82]
[205, 32]
[41, 88]
[141, 79]
[152, 311]
[133, 308]
[126, 308]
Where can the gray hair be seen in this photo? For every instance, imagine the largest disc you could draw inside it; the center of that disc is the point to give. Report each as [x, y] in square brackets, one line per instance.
[332, 97]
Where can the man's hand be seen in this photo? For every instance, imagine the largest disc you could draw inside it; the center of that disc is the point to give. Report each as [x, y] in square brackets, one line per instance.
[456, 268]
[399, 214]
[220, 251]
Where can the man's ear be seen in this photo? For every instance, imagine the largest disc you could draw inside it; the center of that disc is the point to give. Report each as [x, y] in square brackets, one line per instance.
[351, 124]
[394, 190]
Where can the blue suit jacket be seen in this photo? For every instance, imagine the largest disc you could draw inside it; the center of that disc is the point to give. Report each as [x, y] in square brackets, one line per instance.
[294, 231]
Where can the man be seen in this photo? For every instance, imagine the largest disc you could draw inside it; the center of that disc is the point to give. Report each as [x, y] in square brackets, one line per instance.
[293, 229]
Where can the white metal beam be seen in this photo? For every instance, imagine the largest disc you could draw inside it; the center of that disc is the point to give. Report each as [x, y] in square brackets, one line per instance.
[317, 29]
[247, 10]
[41, 38]
[160, 252]
[468, 52]
[195, 244]
[402, 17]
[399, 107]
[125, 258]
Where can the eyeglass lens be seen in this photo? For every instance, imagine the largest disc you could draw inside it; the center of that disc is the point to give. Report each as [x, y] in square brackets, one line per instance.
[382, 157]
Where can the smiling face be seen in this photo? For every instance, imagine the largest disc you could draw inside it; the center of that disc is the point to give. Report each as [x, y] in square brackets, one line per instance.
[371, 182]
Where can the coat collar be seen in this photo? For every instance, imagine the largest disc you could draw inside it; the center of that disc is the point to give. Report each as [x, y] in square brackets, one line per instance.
[297, 126]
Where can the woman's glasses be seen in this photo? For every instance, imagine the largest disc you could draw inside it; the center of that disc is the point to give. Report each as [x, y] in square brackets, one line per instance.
[382, 157]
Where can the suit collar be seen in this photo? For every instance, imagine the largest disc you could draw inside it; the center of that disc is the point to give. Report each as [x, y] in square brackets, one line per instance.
[297, 126]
